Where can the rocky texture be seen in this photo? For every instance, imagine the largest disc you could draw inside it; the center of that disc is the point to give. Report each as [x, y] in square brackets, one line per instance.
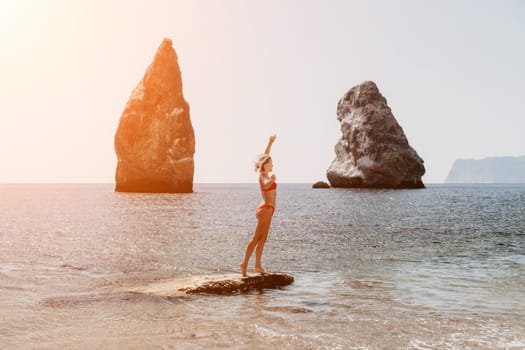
[241, 284]
[154, 141]
[373, 151]
[215, 284]
[488, 170]
[320, 184]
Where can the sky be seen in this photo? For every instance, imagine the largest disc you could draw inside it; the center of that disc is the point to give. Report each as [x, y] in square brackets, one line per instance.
[453, 73]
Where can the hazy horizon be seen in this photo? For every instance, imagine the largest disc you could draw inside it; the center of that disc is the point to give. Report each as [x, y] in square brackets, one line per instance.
[452, 73]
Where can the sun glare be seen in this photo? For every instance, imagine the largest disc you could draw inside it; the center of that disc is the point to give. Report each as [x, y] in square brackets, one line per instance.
[21, 24]
[8, 14]
[10, 18]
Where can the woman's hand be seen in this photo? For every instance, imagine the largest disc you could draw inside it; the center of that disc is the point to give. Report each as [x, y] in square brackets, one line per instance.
[269, 146]
[273, 177]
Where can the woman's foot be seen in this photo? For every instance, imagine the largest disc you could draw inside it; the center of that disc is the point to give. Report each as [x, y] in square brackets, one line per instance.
[243, 270]
[261, 271]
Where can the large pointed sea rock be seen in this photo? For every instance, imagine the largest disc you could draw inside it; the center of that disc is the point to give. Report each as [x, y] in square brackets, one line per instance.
[154, 141]
[373, 151]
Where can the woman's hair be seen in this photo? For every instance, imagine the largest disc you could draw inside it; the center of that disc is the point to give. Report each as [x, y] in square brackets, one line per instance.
[263, 159]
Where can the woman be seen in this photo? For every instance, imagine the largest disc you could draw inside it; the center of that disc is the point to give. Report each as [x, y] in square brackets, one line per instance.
[264, 211]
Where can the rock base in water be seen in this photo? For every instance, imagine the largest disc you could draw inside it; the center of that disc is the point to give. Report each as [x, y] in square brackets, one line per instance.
[215, 284]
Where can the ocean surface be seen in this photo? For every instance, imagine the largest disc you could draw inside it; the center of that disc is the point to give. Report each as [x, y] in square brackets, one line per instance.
[437, 268]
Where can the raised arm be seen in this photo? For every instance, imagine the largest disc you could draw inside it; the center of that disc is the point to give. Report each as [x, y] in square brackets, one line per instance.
[270, 143]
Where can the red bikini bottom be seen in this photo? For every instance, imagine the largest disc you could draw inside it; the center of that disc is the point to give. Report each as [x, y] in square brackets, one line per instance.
[262, 206]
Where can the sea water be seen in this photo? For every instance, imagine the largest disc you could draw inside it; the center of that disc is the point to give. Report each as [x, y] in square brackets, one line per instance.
[436, 268]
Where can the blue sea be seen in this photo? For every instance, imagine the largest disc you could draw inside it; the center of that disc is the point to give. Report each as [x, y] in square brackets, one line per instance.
[436, 268]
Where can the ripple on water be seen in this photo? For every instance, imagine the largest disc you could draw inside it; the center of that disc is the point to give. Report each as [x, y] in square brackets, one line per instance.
[436, 268]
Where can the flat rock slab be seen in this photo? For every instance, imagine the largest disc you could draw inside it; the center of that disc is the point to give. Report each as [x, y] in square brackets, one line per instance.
[215, 284]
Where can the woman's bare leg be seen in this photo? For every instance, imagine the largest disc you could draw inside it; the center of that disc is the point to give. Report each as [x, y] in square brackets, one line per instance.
[260, 247]
[261, 232]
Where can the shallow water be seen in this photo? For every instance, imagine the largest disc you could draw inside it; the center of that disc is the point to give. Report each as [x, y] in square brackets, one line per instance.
[440, 268]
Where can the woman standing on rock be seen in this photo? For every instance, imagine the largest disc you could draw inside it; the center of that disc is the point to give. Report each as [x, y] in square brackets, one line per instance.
[264, 211]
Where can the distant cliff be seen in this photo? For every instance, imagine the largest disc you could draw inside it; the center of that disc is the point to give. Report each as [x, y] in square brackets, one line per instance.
[488, 170]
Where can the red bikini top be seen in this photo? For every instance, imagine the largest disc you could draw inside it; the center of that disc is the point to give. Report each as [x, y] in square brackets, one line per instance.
[270, 188]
